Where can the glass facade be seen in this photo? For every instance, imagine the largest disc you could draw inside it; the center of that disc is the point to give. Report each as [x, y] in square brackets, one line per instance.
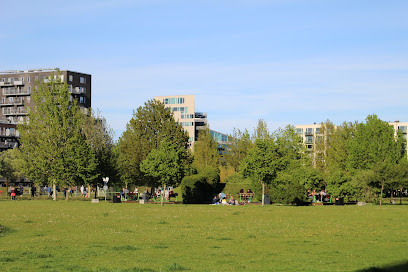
[173, 100]
[219, 137]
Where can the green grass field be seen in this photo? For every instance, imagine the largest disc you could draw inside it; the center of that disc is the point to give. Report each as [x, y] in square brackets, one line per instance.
[42, 235]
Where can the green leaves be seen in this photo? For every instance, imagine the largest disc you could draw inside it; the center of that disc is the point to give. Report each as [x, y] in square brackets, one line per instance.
[54, 146]
[150, 126]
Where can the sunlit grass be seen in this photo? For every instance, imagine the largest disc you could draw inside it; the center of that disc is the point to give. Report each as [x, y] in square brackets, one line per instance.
[80, 236]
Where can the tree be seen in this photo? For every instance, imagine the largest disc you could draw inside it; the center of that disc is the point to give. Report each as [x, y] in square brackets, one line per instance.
[149, 126]
[165, 164]
[53, 144]
[237, 149]
[375, 147]
[260, 163]
[100, 138]
[11, 165]
[205, 150]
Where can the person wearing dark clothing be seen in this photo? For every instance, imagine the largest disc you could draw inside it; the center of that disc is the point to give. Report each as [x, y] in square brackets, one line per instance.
[33, 190]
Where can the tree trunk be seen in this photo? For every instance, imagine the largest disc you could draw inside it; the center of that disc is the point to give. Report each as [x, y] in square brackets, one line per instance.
[89, 191]
[400, 196]
[162, 198]
[382, 189]
[66, 195]
[54, 190]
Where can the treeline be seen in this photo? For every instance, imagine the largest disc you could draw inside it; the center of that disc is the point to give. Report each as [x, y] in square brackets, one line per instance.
[62, 145]
[356, 161]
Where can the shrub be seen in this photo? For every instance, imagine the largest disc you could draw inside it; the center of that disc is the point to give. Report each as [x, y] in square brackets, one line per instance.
[199, 188]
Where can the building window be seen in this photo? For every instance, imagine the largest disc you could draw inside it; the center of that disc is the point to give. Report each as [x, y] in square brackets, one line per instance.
[82, 80]
[36, 78]
[29, 88]
[28, 99]
[71, 78]
[42, 78]
[28, 79]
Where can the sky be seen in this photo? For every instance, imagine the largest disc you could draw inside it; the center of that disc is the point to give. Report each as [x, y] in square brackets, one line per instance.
[284, 61]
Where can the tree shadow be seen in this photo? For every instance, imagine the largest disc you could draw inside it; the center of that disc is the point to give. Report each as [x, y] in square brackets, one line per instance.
[400, 267]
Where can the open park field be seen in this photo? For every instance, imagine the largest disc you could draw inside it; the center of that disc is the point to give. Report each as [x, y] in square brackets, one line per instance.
[42, 235]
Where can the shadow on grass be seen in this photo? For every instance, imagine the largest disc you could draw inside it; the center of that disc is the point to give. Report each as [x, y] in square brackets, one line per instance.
[5, 230]
[401, 267]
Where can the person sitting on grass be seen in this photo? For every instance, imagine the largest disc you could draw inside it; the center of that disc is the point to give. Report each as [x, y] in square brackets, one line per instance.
[215, 200]
[231, 201]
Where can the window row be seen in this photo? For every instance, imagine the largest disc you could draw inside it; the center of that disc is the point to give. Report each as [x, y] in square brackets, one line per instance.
[182, 109]
[173, 100]
[187, 124]
[187, 116]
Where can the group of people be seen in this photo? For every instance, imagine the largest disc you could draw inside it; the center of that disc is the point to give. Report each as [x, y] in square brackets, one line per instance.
[221, 199]
[315, 196]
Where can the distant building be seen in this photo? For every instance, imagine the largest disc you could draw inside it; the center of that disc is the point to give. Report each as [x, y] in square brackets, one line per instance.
[15, 96]
[183, 108]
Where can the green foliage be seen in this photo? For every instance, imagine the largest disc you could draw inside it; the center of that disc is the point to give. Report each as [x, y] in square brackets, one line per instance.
[165, 164]
[53, 144]
[237, 149]
[149, 126]
[100, 138]
[199, 188]
[236, 178]
[11, 165]
[205, 150]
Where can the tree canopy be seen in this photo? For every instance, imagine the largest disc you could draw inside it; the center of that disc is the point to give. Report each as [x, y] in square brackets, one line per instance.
[53, 144]
[150, 125]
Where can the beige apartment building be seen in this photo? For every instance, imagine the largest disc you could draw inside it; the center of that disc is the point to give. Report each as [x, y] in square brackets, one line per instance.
[309, 132]
[183, 108]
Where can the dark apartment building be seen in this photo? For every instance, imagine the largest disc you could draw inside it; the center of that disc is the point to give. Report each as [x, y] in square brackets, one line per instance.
[15, 95]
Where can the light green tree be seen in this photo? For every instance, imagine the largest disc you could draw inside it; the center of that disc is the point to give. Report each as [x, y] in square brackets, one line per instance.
[165, 165]
[205, 150]
[53, 144]
[237, 148]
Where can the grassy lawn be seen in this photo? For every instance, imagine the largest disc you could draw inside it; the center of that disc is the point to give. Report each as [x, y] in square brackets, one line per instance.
[42, 235]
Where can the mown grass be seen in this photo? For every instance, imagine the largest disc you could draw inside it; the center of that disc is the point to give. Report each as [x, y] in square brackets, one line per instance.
[80, 236]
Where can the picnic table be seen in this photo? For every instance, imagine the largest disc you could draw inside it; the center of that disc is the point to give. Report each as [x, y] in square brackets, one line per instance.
[245, 197]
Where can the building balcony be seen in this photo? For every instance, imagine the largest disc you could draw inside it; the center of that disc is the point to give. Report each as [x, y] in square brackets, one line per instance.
[14, 91]
[16, 112]
[14, 83]
[74, 90]
[309, 133]
[14, 103]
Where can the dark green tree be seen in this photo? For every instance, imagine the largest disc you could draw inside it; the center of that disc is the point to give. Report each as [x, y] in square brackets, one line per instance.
[149, 126]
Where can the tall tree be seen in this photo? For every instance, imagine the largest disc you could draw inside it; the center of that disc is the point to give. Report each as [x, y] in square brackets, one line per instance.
[149, 126]
[205, 150]
[237, 149]
[53, 144]
[100, 138]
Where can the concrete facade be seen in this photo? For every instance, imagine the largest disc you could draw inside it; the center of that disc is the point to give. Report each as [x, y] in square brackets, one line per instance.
[183, 108]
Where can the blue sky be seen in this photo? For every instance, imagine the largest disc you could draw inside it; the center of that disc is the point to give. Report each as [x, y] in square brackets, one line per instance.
[286, 61]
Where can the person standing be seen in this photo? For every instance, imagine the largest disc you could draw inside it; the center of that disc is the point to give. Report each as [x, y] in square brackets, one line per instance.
[82, 190]
[13, 193]
[33, 190]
